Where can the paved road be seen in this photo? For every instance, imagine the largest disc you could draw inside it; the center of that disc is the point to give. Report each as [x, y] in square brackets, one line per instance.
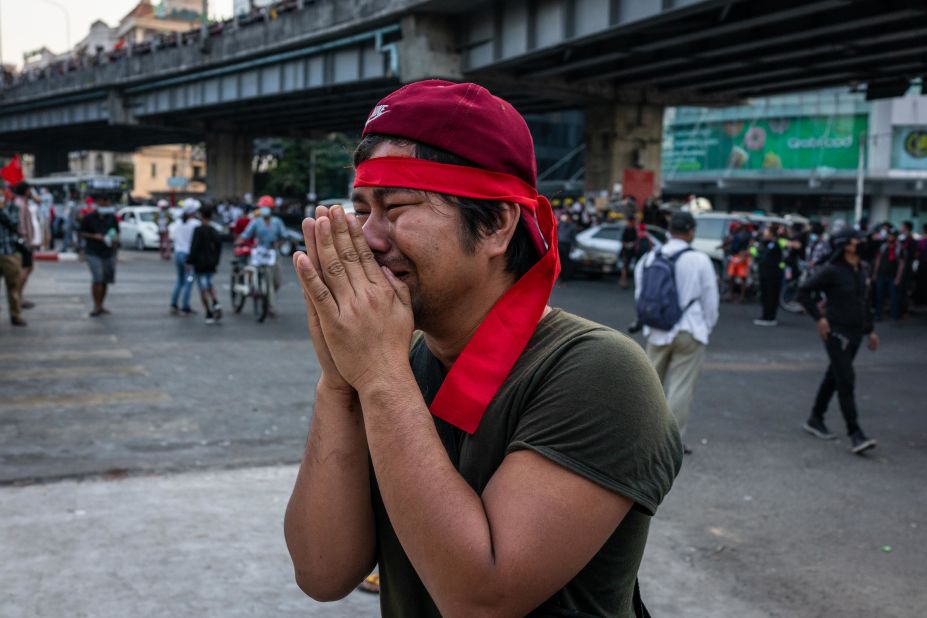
[763, 520]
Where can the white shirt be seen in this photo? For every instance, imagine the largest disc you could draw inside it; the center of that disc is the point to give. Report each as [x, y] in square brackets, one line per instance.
[183, 235]
[695, 279]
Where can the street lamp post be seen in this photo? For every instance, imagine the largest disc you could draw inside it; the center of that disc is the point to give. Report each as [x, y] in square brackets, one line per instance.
[67, 21]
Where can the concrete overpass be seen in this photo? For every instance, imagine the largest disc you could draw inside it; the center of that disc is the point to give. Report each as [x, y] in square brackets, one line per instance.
[321, 66]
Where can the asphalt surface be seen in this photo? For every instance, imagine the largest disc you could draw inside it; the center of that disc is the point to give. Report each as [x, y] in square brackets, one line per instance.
[145, 461]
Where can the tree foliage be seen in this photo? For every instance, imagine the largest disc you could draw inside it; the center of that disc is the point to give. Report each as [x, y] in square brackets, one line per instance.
[286, 173]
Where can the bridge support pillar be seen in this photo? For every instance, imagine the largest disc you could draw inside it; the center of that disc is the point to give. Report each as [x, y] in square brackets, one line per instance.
[427, 49]
[619, 136]
[49, 160]
[228, 165]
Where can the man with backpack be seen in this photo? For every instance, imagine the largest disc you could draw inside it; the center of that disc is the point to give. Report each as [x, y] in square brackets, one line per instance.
[676, 295]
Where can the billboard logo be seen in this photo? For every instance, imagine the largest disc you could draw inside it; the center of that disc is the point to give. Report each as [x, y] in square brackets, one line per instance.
[915, 144]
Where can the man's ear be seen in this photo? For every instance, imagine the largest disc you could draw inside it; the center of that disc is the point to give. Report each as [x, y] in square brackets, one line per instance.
[497, 243]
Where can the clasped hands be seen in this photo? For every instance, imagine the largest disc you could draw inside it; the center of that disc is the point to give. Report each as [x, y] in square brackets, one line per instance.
[359, 313]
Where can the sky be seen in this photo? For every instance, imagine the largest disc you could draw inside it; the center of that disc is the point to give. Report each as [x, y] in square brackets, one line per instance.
[27, 25]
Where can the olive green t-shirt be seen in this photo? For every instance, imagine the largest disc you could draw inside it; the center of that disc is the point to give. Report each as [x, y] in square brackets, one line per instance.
[585, 397]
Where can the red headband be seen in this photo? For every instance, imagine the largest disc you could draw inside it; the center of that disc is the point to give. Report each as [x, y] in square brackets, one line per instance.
[489, 356]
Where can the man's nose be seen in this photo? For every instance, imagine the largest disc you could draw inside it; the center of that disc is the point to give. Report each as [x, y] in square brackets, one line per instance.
[376, 233]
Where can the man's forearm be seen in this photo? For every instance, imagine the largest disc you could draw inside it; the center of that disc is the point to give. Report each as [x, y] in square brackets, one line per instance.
[329, 525]
[438, 518]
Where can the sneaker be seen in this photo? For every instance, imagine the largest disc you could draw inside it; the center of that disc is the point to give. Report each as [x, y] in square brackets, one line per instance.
[27, 304]
[859, 443]
[818, 429]
[174, 310]
[18, 322]
[765, 323]
[217, 311]
[188, 311]
[210, 320]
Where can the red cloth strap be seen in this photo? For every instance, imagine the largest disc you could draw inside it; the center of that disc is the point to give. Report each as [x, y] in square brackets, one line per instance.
[486, 360]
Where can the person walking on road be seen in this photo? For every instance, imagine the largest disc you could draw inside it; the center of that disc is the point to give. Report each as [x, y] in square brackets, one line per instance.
[100, 231]
[30, 234]
[164, 224]
[847, 319]
[770, 265]
[466, 459]
[677, 350]
[183, 236]
[11, 259]
[205, 251]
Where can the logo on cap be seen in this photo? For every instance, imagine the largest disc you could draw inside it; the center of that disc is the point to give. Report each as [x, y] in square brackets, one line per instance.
[378, 111]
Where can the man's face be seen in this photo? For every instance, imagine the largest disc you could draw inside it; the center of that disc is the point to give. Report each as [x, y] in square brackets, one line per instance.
[418, 237]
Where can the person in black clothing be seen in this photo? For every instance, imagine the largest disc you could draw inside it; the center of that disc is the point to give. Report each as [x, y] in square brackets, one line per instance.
[205, 250]
[100, 231]
[848, 317]
[628, 251]
[769, 269]
[909, 249]
[889, 273]
[566, 238]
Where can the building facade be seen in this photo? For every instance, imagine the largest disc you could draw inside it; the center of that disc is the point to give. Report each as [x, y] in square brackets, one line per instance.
[803, 154]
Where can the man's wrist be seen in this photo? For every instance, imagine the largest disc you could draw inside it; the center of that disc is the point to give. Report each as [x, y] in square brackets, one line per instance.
[386, 384]
[333, 391]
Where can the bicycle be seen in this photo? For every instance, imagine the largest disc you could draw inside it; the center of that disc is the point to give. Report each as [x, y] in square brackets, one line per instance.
[252, 277]
[788, 300]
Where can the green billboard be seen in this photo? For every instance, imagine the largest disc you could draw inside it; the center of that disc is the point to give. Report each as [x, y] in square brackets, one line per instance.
[770, 144]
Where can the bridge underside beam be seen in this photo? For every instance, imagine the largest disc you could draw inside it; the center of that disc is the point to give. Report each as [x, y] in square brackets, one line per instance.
[726, 49]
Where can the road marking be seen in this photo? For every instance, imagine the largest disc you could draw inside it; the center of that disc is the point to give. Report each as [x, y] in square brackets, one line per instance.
[85, 399]
[64, 339]
[63, 355]
[736, 367]
[60, 373]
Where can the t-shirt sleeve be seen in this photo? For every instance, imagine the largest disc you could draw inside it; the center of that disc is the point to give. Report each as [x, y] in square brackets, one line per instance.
[600, 412]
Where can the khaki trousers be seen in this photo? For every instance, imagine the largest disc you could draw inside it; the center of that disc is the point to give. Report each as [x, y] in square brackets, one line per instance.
[10, 268]
[679, 365]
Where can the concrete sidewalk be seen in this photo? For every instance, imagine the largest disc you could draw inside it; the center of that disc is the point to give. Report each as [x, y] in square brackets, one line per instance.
[211, 544]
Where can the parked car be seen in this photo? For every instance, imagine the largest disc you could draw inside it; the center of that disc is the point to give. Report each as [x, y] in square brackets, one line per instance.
[596, 249]
[138, 227]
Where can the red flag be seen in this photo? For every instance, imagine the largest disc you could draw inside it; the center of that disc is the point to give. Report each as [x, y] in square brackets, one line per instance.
[12, 172]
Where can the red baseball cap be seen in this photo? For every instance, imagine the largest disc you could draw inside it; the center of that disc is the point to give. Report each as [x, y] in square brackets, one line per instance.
[463, 119]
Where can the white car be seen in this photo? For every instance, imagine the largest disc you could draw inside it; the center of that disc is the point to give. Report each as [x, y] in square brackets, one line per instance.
[596, 249]
[138, 227]
[712, 227]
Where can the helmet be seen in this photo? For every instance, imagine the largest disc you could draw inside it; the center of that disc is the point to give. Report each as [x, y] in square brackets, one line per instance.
[265, 201]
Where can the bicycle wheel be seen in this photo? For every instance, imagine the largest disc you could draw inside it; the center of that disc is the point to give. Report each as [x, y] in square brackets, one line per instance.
[788, 300]
[236, 290]
[262, 295]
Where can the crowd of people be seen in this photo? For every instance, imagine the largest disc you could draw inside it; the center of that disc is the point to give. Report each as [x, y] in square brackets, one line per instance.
[762, 258]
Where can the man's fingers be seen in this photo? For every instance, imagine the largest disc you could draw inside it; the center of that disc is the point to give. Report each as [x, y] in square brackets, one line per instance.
[344, 246]
[314, 288]
[401, 289]
[309, 239]
[367, 260]
[332, 269]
